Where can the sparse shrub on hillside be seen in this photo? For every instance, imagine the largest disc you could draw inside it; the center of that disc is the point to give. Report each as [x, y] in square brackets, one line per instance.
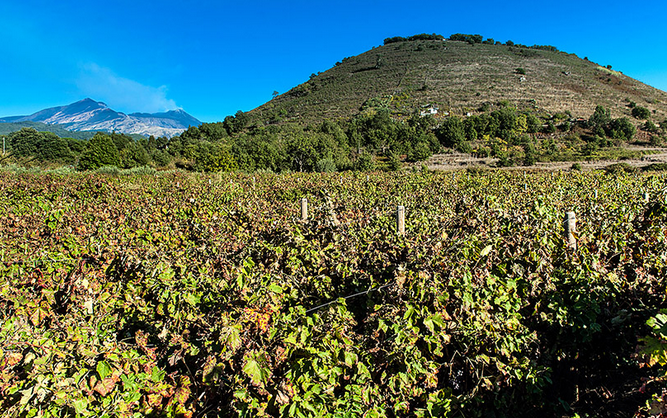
[471, 39]
[420, 37]
[566, 126]
[602, 124]
[656, 167]
[657, 140]
[600, 117]
[507, 122]
[545, 48]
[619, 168]
[649, 126]
[640, 112]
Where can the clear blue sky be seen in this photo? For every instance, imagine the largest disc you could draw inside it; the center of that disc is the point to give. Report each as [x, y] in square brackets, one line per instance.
[212, 58]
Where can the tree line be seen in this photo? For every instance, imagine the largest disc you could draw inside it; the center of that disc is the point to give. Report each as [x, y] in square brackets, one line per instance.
[372, 140]
[463, 37]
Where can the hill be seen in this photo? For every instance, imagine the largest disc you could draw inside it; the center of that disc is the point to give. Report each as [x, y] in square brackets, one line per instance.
[460, 77]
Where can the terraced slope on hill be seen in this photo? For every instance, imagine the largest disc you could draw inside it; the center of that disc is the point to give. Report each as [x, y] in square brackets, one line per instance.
[460, 77]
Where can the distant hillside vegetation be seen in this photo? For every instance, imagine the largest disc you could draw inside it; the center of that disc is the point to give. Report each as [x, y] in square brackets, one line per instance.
[460, 75]
[7, 128]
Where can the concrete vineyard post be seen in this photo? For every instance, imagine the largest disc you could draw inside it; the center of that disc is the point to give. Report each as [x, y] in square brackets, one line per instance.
[400, 220]
[570, 226]
[304, 209]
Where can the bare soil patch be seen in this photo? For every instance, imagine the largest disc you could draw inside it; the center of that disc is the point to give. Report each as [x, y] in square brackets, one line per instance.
[457, 161]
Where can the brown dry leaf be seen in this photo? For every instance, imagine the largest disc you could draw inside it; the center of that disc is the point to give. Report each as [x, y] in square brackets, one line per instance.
[13, 358]
[107, 385]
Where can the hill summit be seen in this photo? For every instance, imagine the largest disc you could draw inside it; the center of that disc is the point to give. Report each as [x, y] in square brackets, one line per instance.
[460, 75]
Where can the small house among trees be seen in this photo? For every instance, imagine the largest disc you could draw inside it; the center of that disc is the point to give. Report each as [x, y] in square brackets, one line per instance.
[431, 110]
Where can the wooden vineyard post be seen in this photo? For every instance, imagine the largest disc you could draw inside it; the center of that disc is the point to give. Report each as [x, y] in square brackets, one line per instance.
[646, 198]
[400, 220]
[570, 228]
[304, 209]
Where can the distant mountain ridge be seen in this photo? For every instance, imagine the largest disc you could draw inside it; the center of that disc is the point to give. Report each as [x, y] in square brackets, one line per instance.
[91, 115]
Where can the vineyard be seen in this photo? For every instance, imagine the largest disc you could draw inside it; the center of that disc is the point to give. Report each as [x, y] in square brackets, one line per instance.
[190, 295]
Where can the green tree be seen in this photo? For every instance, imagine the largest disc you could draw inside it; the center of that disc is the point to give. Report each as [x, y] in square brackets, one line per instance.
[420, 151]
[621, 129]
[533, 124]
[213, 158]
[451, 132]
[54, 148]
[393, 162]
[600, 118]
[100, 151]
[133, 155]
[235, 124]
[25, 142]
[213, 131]
[507, 122]
[365, 162]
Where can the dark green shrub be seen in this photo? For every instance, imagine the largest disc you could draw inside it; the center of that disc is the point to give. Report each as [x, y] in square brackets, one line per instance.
[655, 167]
[640, 112]
[393, 162]
[325, 165]
[365, 162]
[619, 168]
